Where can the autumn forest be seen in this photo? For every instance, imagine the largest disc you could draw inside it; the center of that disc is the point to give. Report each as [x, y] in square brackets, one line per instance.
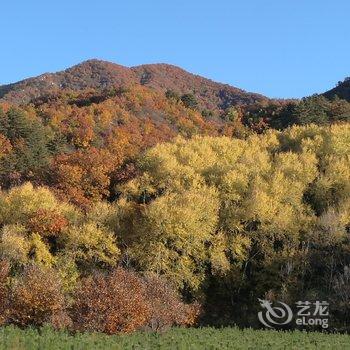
[148, 197]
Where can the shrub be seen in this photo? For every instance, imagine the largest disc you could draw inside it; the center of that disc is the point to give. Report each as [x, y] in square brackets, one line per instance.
[110, 304]
[123, 302]
[36, 298]
[4, 272]
[165, 305]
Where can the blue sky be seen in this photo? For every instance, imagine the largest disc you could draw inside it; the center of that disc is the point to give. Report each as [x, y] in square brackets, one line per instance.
[280, 48]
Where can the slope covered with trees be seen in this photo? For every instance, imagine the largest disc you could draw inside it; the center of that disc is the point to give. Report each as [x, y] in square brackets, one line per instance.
[144, 198]
[216, 220]
[97, 74]
[82, 143]
[342, 90]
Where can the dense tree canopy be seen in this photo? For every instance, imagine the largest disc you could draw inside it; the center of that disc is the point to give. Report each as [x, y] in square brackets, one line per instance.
[215, 209]
[281, 114]
[236, 196]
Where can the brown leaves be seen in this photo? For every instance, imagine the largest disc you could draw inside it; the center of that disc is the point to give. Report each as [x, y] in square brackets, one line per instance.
[4, 272]
[36, 298]
[110, 304]
[165, 306]
[83, 176]
[47, 222]
[124, 302]
[5, 146]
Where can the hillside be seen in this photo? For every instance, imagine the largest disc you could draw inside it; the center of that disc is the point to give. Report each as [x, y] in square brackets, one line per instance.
[101, 75]
[89, 74]
[210, 95]
[342, 90]
[111, 185]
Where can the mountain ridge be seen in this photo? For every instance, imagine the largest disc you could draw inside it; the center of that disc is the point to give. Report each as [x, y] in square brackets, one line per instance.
[342, 90]
[98, 74]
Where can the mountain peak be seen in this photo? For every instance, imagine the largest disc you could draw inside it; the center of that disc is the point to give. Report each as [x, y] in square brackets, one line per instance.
[99, 74]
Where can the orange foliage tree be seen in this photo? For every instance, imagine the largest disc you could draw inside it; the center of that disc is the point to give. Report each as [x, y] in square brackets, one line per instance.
[36, 298]
[83, 176]
[47, 222]
[110, 304]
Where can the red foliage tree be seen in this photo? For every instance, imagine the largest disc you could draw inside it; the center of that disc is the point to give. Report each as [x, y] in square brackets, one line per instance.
[47, 222]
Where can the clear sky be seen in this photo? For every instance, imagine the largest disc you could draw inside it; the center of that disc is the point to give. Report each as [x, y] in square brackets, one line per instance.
[280, 48]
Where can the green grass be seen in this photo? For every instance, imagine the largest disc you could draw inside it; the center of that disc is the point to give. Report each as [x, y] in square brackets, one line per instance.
[204, 338]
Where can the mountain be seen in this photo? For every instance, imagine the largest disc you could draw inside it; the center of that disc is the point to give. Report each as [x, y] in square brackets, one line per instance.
[210, 95]
[90, 74]
[342, 90]
[98, 74]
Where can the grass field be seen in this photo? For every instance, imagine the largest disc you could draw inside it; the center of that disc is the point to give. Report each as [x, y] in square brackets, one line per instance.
[205, 338]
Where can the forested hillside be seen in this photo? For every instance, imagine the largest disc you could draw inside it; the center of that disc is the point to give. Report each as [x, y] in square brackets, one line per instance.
[224, 220]
[81, 144]
[97, 74]
[342, 90]
[133, 199]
